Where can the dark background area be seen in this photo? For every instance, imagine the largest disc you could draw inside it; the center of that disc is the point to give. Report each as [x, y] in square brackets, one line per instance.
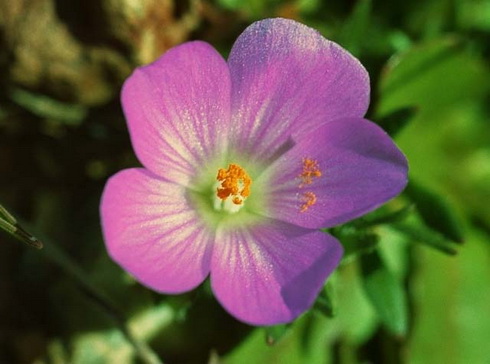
[407, 291]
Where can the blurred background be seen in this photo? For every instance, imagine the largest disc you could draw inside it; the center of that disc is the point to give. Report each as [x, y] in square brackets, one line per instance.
[414, 284]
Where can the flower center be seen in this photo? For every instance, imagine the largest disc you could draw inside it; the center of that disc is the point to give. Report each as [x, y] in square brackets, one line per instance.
[232, 188]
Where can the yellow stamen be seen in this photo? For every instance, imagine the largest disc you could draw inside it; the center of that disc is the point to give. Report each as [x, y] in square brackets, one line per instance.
[309, 199]
[235, 182]
[310, 171]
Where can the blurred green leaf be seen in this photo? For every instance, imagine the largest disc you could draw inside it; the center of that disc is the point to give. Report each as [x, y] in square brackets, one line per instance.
[353, 35]
[100, 348]
[274, 333]
[447, 142]
[431, 75]
[385, 293]
[149, 323]
[46, 107]
[397, 120]
[424, 235]
[435, 211]
[253, 8]
[230, 4]
[399, 40]
[380, 216]
[291, 348]
[417, 64]
[433, 17]
[355, 241]
[474, 14]
[451, 299]
[355, 315]
[324, 302]
[308, 6]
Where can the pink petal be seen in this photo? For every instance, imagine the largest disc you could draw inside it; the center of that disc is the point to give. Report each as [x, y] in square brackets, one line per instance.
[178, 110]
[153, 233]
[288, 79]
[360, 166]
[270, 274]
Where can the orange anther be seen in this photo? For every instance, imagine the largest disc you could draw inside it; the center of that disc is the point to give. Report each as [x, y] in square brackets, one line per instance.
[310, 171]
[235, 182]
[309, 199]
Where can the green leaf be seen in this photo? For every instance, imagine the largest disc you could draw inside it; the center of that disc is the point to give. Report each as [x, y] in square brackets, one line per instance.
[324, 303]
[416, 65]
[230, 4]
[355, 241]
[395, 121]
[385, 293]
[475, 15]
[354, 32]
[435, 211]
[252, 8]
[290, 348]
[47, 107]
[444, 288]
[308, 6]
[424, 235]
[432, 76]
[274, 333]
[381, 218]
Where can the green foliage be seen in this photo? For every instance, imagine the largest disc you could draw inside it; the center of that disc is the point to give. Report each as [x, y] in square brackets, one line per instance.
[47, 107]
[324, 302]
[394, 122]
[275, 333]
[435, 212]
[432, 75]
[254, 9]
[428, 63]
[355, 27]
[386, 293]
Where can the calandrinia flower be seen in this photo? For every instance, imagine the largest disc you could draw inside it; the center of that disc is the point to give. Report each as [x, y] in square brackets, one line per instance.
[243, 162]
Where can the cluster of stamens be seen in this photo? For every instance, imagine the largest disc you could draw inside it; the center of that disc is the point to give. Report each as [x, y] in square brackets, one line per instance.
[235, 183]
[310, 172]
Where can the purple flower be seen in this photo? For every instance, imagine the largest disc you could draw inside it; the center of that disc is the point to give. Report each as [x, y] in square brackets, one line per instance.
[243, 162]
